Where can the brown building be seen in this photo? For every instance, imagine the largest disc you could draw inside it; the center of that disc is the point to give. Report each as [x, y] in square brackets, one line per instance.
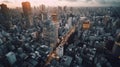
[27, 11]
[86, 25]
[26, 8]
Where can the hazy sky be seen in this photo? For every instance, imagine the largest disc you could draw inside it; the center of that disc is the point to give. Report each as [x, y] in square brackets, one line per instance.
[17, 3]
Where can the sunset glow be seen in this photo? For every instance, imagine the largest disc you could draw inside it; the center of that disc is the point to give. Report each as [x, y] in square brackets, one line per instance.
[17, 3]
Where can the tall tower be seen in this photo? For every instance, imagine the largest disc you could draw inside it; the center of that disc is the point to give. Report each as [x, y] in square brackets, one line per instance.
[4, 11]
[54, 18]
[5, 16]
[27, 11]
[116, 48]
[43, 12]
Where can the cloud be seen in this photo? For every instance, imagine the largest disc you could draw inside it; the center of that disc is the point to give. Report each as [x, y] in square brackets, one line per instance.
[102, 2]
[6, 1]
[109, 2]
[79, 0]
[88, 0]
[69, 0]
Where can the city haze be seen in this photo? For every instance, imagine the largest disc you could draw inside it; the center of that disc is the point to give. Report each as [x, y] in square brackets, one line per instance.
[73, 3]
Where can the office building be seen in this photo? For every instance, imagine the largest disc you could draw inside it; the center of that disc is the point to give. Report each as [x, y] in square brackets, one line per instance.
[27, 11]
[5, 16]
[4, 11]
[55, 22]
[43, 13]
[116, 48]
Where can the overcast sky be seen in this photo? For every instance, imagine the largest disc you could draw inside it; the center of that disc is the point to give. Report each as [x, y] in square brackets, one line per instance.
[17, 3]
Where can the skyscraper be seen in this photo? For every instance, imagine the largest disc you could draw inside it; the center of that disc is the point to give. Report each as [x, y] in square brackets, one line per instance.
[27, 11]
[54, 15]
[26, 8]
[5, 16]
[43, 12]
[55, 22]
[42, 8]
[4, 11]
[116, 47]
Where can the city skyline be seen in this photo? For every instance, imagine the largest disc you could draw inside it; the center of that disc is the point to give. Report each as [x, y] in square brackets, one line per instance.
[73, 3]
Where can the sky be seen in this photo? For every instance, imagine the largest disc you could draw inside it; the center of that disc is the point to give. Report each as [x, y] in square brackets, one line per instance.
[86, 3]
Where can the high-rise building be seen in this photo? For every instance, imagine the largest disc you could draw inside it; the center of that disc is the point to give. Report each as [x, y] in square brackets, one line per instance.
[42, 8]
[116, 48]
[54, 17]
[43, 12]
[5, 16]
[26, 8]
[4, 11]
[65, 8]
[60, 9]
[60, 51]
[50, 30]
[48, 33]
[27, 11]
